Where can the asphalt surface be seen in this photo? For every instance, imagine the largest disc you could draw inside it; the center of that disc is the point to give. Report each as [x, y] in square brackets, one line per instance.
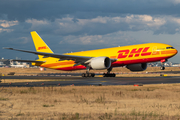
[100, 73]
[79, 81]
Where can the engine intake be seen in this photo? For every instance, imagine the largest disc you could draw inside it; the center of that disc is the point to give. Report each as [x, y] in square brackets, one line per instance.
[100, 63]
[137, 67]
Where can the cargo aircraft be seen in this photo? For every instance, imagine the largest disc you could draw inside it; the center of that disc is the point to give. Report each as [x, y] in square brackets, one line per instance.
[134, 57]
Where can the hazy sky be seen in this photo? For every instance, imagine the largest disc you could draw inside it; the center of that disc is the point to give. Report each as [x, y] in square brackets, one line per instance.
[76, 25]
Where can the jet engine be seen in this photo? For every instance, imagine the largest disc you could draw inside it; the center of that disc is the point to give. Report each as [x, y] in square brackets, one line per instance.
[137, 67]
[99, 63]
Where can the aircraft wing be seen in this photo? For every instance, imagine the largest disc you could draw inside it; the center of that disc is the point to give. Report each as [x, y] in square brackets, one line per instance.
[29, 61]
[78, 59]
[62, 57]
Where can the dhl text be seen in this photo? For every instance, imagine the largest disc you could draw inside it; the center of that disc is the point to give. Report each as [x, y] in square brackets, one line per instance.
[136, 52]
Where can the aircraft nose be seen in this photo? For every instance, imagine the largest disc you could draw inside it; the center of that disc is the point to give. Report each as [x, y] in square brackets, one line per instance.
[176, 52]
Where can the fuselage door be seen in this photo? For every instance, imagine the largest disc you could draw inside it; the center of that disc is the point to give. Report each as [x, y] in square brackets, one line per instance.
[154, 50]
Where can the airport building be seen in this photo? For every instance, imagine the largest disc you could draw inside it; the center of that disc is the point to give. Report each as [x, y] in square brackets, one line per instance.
[9, 63]
[4, 62]
[17, 64]
[167, 64]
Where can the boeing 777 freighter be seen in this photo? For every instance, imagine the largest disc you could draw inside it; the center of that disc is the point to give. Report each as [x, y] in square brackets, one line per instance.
[134, 57]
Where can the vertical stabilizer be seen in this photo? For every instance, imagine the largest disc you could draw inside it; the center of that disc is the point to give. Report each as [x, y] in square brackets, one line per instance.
[39, 44]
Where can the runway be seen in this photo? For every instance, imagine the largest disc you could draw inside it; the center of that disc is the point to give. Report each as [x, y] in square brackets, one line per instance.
[79, 81]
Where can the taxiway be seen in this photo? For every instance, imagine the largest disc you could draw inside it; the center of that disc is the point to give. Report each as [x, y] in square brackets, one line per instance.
[79, 81]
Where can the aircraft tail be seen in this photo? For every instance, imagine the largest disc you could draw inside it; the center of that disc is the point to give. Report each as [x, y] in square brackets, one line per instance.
[39, 44]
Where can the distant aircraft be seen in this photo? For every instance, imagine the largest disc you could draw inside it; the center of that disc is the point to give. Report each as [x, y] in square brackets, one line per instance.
[134, 57]
[18, 66]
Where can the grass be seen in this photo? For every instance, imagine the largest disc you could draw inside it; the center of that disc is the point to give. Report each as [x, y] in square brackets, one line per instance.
[100, 99]
[3, 99]
[147, 102]
[105, 116]
[30, 90]
[20, 114]
[48, 105]
[93, 102]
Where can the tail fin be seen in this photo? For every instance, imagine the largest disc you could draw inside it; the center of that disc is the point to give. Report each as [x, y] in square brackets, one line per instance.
[39, 44]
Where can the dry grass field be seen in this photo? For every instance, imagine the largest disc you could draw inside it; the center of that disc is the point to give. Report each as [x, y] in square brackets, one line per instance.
[149, 102]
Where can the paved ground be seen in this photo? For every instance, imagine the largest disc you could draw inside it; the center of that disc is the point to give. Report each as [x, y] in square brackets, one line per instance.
[79, 81]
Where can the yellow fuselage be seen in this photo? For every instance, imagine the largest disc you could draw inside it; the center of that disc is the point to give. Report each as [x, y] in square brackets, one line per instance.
[133, 54]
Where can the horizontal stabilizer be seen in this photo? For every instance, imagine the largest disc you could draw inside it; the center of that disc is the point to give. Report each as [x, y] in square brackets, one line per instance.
[29, 61]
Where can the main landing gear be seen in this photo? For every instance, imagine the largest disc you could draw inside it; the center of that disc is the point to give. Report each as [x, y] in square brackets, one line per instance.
[108, 74]
[87, 74]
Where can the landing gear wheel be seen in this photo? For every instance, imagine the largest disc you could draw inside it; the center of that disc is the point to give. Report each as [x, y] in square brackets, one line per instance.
[92, 74]
[83, 75]
[162, 67]
[114, 75]
[109, 75]
[162, 64]
[88, 74]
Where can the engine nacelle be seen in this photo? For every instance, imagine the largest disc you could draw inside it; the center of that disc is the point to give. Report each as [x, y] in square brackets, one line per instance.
[137, 67]
[100, 63]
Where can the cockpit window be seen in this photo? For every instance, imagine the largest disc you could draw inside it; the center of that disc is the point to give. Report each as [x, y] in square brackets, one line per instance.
[169, 48]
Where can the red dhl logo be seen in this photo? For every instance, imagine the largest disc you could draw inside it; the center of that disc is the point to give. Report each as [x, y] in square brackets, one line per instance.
[136, 52]
[43, 47]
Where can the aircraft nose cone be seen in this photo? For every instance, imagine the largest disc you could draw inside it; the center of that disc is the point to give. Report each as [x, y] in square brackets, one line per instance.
[176, 51]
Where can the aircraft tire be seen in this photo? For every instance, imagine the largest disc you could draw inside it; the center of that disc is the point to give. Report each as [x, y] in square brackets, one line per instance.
[114, 75]
[92, 74]
[109, 75]
[88, 74]
[162, 68]
[83, 75]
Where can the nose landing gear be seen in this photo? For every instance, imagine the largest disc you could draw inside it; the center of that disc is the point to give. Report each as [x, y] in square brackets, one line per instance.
[162, 67]
[162, 64]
